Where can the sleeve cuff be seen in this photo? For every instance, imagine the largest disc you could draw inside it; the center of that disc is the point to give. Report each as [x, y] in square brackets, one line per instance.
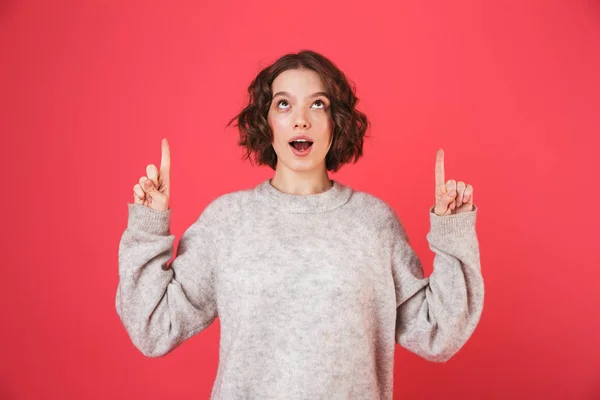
[455, 224]
[148, 220]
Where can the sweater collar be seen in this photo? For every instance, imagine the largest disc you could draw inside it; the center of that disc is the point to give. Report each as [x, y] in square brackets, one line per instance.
[332, 198]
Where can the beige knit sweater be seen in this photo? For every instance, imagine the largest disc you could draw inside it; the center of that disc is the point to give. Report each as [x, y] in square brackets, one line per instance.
[312, 292]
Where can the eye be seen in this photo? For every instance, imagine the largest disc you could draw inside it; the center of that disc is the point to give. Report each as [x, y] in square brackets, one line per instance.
[321, 102]
[281, 101]
[318, 102]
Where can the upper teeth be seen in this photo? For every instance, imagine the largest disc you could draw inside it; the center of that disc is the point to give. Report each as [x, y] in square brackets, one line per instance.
[300, 140]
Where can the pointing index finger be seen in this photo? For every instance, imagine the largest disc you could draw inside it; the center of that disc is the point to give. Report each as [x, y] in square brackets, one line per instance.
[439, 168]
[165, 159]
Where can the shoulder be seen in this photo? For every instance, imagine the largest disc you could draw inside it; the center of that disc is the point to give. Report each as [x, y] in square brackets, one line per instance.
[227, 206]
[373, 208]
[382, 216]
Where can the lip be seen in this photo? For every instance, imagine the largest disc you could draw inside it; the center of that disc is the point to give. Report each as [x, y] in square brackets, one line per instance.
[301, 153]
[301, 137]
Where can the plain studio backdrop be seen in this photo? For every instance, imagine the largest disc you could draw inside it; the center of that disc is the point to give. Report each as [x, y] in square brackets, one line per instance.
[509, 89]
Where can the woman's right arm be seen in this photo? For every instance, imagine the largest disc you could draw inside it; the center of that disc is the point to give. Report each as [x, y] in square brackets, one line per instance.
[161, 307]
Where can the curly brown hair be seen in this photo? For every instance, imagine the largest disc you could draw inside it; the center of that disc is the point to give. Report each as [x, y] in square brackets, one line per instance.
[349, 124]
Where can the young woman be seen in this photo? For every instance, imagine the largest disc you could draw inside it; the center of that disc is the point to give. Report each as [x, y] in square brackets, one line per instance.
[313, 282]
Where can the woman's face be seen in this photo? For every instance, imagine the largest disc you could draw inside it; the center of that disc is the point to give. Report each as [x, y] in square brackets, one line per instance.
[300, 106]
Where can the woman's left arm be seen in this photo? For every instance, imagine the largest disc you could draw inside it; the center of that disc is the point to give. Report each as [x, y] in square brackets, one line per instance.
[437, 315]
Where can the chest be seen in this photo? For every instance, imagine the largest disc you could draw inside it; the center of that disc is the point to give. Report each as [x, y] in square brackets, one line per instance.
[292, 264]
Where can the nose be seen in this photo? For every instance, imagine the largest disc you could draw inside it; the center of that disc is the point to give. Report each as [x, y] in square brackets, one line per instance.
[301, 121]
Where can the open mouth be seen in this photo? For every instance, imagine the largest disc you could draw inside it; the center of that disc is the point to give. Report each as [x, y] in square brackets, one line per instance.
[301, 145]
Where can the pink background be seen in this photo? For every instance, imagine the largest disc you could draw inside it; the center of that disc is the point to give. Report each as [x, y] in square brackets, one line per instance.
[509, 89]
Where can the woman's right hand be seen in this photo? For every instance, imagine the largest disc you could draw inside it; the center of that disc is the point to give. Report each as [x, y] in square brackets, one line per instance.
[153, 190]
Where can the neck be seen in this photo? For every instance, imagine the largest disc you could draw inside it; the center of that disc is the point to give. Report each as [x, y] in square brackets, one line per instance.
[292, 182]
[324, 201]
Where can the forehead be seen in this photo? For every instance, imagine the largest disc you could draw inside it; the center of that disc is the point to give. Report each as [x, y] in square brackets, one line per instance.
[298, 82]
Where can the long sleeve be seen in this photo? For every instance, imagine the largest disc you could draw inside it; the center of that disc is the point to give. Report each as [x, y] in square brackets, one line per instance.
[161, 306]
[437, 315]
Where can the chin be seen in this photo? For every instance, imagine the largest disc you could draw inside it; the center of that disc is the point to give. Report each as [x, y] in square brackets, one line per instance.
[300, 165]
[311, 161]
[306, 165]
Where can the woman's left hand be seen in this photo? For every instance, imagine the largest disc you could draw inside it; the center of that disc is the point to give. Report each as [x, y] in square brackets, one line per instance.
[450, 197]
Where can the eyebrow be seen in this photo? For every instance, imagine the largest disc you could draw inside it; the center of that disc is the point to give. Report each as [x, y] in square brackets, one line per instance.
[310, 97]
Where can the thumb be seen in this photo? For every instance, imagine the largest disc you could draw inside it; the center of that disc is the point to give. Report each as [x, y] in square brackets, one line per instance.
[152, 191]
[445, 201]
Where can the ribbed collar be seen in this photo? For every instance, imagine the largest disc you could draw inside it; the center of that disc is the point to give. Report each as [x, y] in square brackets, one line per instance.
[332, 198]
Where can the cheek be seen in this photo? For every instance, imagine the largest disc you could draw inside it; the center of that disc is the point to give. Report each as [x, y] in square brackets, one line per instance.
[326, 123]
[277, 125]
[321, 121]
